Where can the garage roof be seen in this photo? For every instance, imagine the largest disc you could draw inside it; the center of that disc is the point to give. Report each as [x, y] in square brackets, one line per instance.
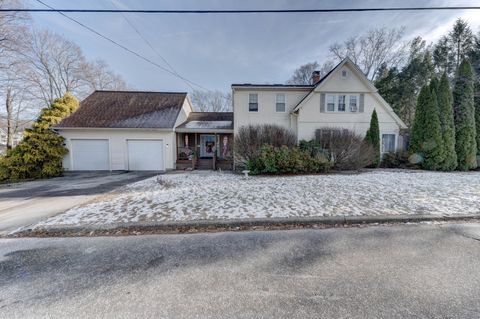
[127, 109]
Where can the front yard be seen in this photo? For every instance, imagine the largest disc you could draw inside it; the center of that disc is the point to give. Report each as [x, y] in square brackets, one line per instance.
[212, 195]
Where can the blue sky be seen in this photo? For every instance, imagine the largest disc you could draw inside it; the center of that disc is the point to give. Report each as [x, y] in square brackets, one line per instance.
[217, 50]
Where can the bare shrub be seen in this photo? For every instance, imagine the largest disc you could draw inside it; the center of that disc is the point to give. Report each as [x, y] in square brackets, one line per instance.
[347, 150]
[251, 138]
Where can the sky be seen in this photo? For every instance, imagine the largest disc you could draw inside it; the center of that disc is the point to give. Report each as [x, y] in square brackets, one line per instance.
[218, 50]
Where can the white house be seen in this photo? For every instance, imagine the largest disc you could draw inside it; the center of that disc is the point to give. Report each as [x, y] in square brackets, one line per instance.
[344, 98]
[128, 130]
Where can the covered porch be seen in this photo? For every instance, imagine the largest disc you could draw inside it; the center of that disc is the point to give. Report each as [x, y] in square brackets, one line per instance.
[205, 141]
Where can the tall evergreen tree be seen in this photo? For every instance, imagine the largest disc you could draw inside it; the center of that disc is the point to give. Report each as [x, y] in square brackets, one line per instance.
[373, 137]
[461, 39]
[464, 116]
[417, 134]
[40, 153]
[445, 105]
[434, 85]
[477, 120]
[432, 146]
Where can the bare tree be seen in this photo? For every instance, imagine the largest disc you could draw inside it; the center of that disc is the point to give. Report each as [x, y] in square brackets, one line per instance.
[211, 101]
[12, 31]
[98, 76]
[303, 74]
[377, 47]
[55, 65]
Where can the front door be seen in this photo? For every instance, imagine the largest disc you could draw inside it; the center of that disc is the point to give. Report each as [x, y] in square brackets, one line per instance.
[207, 145]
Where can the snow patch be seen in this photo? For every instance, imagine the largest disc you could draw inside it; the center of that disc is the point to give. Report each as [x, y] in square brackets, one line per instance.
[214, 195]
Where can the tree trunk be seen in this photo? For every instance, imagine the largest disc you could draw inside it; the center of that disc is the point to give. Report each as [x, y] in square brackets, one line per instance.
[9, 107]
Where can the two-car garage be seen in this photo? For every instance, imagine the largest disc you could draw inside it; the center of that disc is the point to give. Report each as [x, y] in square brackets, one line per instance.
[124, 131]
[116, 153]
[94, 155]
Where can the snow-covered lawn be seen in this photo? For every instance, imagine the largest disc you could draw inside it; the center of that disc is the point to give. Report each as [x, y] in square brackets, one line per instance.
[213, 195]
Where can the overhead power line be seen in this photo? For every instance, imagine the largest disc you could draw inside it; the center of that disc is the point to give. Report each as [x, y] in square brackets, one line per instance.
[151, 46]
[160, 11]
[122, 46]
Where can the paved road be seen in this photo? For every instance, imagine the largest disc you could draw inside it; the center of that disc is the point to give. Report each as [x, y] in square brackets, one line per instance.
[408, 271]
[22, 204]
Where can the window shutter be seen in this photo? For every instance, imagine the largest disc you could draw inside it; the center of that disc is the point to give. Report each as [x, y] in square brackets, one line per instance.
[322, 103]
[361, 107]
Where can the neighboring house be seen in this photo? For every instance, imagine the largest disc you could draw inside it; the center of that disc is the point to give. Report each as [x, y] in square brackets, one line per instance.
[344, 98]
[124, 130]
[17, 136]
[116, 130]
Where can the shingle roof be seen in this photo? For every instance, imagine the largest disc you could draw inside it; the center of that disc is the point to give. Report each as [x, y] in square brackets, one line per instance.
[127, 109]
[208, 120]
[306, 86]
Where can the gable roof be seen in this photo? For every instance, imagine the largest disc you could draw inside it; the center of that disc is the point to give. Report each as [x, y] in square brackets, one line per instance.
[126, 109]
[364, 79]
[207, 120]
[249, 85]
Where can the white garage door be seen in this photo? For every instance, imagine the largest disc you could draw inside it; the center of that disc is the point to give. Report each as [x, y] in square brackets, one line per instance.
[145, 155]
[91, 155]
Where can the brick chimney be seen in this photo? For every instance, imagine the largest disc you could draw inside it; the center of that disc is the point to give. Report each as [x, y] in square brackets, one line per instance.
[315, 77]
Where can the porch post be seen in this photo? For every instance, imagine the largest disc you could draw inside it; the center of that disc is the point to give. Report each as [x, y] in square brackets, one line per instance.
[194, 159]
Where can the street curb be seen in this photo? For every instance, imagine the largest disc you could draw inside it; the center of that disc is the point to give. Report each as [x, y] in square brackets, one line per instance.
[231, 225]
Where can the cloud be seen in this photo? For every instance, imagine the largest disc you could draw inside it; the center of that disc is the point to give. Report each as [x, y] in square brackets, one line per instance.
[217, 50]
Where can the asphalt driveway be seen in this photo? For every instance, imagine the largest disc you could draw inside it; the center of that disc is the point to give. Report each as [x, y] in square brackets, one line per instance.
[22, 204]
[407, 271]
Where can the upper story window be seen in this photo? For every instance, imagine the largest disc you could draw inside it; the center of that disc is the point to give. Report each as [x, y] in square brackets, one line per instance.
[253, 102]
[341, 103]
[353, 103]
[280, 102]
[330, 103]
[344, 74]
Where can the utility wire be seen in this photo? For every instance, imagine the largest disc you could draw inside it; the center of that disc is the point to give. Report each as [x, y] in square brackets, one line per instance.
[121, 46]
[151, 46]
[244, 11]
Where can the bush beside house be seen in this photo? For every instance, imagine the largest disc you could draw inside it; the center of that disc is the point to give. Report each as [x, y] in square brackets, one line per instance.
[346, 150]
[271, 149]
[251, 138]
[285, 160]
[40, 153]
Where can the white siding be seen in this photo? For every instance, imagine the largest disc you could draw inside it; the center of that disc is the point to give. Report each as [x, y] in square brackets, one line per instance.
[266, 107]
[310, 118]
[118, 144]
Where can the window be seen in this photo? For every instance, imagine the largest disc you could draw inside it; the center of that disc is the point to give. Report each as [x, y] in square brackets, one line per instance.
[280, 102]
[353, 103]
[388, 143]
[341, 103]
[330, 103]
[253, 102]
[344, 74]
